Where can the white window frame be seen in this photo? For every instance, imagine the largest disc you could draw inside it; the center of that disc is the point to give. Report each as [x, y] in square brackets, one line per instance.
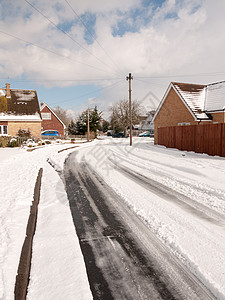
[46, 116]
[2, 129]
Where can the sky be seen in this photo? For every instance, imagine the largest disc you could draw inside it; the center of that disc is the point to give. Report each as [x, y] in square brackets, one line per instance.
[77, 54]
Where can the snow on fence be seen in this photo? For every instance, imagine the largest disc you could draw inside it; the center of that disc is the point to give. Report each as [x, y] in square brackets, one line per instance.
[209, 139]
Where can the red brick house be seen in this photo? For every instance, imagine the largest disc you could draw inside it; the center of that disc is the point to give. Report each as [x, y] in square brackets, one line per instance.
[19, 109]
[191, 104]
[50, 121]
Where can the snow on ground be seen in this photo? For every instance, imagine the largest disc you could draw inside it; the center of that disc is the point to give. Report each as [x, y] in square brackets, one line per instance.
[58, 269]
[57, 264]
[6, 153]
[195, 239]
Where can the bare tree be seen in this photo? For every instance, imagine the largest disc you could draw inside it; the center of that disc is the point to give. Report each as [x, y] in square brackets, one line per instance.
[62, 114]
[119, 117]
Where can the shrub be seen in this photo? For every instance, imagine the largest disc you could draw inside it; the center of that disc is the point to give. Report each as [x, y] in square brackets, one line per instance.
[24, 133]
[13, 143]
[4, 140]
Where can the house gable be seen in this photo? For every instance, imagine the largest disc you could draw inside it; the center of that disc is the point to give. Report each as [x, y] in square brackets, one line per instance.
[173, 91]
[172, 112]
[51, 121]
[187, 104]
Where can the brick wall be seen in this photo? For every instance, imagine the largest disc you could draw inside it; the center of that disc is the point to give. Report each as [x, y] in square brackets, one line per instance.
[172, 112]
[53, 124]
[218, 117]
[34, 127]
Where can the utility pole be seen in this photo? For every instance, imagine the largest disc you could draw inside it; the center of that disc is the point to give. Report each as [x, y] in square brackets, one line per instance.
[88, 127]
[129, 78]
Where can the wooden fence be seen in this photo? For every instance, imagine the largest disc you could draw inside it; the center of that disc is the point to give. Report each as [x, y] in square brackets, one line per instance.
[209, 139]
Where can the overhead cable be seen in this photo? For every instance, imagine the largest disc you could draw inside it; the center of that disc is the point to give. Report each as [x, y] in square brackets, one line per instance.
[91, 92]
[58, 54]
[107, 54]
[69, 36]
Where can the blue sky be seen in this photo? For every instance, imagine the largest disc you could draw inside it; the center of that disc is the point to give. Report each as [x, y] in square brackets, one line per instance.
[100, 42]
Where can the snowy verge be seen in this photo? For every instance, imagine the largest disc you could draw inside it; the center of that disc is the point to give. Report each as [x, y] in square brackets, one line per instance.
[58, 247]
[57, 270]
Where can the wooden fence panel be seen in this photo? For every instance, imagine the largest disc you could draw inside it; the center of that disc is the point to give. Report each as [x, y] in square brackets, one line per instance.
[217, 139]
[223, 140]
[188, 138]
[160, 137]
[199, 139]
[179, 137]
[171, 138]
[209, 138]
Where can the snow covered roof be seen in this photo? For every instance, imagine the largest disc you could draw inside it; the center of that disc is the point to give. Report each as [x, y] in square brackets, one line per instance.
[21, 105]
[194, 95]
[215, 97]
[2, 93]
[199, 99]
[11, 117]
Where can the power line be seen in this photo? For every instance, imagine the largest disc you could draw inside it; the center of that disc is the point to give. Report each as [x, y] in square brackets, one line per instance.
[107, 54]
[181, 75]
[149, 83]
[64, 32]
[61, 80]
[91, 92]
[52, 52]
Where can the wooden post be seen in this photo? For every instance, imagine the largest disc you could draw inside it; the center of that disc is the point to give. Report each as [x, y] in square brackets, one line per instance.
[129, 78]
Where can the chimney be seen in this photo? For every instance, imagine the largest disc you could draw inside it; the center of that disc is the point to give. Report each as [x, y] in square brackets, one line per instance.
[42, 103]
[7, 88]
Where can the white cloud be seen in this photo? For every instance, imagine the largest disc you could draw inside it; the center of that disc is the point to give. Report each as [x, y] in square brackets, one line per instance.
[182, 37]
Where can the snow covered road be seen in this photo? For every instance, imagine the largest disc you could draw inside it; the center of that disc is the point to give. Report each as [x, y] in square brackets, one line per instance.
[179, 198]
[179, 195]
[124, 259]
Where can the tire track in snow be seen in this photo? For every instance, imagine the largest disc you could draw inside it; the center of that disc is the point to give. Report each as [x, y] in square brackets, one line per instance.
[184, 202]
[199, 191]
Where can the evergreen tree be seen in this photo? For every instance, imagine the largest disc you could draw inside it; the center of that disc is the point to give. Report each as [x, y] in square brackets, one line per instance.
[105, 126]
[72, 128]
[94, 121]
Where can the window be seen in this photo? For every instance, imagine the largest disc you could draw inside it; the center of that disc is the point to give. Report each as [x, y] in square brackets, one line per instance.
[46, 116]
[3, 129]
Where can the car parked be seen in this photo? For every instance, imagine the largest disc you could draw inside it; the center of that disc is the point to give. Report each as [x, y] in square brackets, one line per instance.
[119, 135]
[146, 134]
[50, 133]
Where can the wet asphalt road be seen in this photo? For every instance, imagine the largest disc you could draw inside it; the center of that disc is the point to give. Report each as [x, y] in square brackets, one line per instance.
[123, 258]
